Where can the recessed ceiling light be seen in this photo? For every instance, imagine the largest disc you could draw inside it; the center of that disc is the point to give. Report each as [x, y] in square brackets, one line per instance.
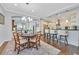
[15, 4]
[32, 10]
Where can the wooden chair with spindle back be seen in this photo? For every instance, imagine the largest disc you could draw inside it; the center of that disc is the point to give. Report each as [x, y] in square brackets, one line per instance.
[36, 40]
[18, 43]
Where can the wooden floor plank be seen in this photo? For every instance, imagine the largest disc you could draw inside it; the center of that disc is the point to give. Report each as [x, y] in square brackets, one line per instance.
[3, 46]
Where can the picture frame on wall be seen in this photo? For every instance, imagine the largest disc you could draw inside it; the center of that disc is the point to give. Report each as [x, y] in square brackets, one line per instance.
[2, 19]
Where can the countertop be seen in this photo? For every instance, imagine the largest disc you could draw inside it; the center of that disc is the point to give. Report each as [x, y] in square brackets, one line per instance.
[65, 29]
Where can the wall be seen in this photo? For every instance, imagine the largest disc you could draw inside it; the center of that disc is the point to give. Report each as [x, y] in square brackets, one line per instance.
[8, 26]
[5, 29]
[2, 27]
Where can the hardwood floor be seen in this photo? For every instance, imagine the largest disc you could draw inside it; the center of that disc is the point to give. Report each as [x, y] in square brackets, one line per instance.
[3, 46]
[65, 50]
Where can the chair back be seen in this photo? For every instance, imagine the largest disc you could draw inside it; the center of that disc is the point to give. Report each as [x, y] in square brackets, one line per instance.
[38, 36]
[16, 37]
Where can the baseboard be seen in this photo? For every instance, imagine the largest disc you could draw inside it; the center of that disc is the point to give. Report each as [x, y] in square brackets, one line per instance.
[3, 45]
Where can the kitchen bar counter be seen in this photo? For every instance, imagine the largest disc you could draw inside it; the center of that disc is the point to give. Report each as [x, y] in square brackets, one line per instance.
[73, 37]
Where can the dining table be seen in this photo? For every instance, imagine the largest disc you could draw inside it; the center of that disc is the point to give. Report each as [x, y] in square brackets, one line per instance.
[29, 37]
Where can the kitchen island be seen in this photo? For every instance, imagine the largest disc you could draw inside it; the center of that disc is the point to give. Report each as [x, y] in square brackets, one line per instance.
[73, 36]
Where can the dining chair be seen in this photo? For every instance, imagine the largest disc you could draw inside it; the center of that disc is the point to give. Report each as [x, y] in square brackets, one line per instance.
[36, 40]
[19, 43]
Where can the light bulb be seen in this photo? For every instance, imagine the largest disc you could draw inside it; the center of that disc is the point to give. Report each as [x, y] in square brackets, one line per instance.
[66, 21]
[23, 18]
[15, 4]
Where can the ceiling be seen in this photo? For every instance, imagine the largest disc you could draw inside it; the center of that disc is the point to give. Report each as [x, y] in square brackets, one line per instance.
[40, 10]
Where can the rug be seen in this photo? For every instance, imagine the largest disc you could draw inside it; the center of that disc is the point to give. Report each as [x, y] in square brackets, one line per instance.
[44, 49]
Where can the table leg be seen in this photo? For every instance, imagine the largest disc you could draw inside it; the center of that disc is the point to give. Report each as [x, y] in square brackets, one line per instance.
[28, 42]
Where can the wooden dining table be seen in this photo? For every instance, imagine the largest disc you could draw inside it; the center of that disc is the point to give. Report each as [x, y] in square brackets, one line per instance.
[28, 37]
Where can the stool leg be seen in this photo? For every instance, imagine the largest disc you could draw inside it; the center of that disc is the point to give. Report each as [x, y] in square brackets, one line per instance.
[49, 38]
[53, 39]
[56, 39]
[66, 40]
[44, 36]
[60, 39]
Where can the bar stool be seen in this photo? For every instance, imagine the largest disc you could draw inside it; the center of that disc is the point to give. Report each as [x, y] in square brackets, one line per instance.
[53, 35]
[63, 34]
[47, 35]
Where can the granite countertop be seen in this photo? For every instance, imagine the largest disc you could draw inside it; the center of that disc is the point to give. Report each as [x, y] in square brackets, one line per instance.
[67, 29]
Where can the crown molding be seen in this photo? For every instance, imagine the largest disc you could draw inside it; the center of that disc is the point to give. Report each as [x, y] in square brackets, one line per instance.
[62, 10]
[51, 14]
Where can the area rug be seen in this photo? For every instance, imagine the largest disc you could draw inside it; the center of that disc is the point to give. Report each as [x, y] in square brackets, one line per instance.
[44, 49]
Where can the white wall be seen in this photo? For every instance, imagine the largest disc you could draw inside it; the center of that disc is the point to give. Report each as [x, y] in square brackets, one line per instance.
[8, 25]
[2, 27]
[6, 28]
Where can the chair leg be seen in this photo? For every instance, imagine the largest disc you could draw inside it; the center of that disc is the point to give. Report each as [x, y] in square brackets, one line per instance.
[39, 43]
[36, 47]
[15, 48]
[18, 50]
